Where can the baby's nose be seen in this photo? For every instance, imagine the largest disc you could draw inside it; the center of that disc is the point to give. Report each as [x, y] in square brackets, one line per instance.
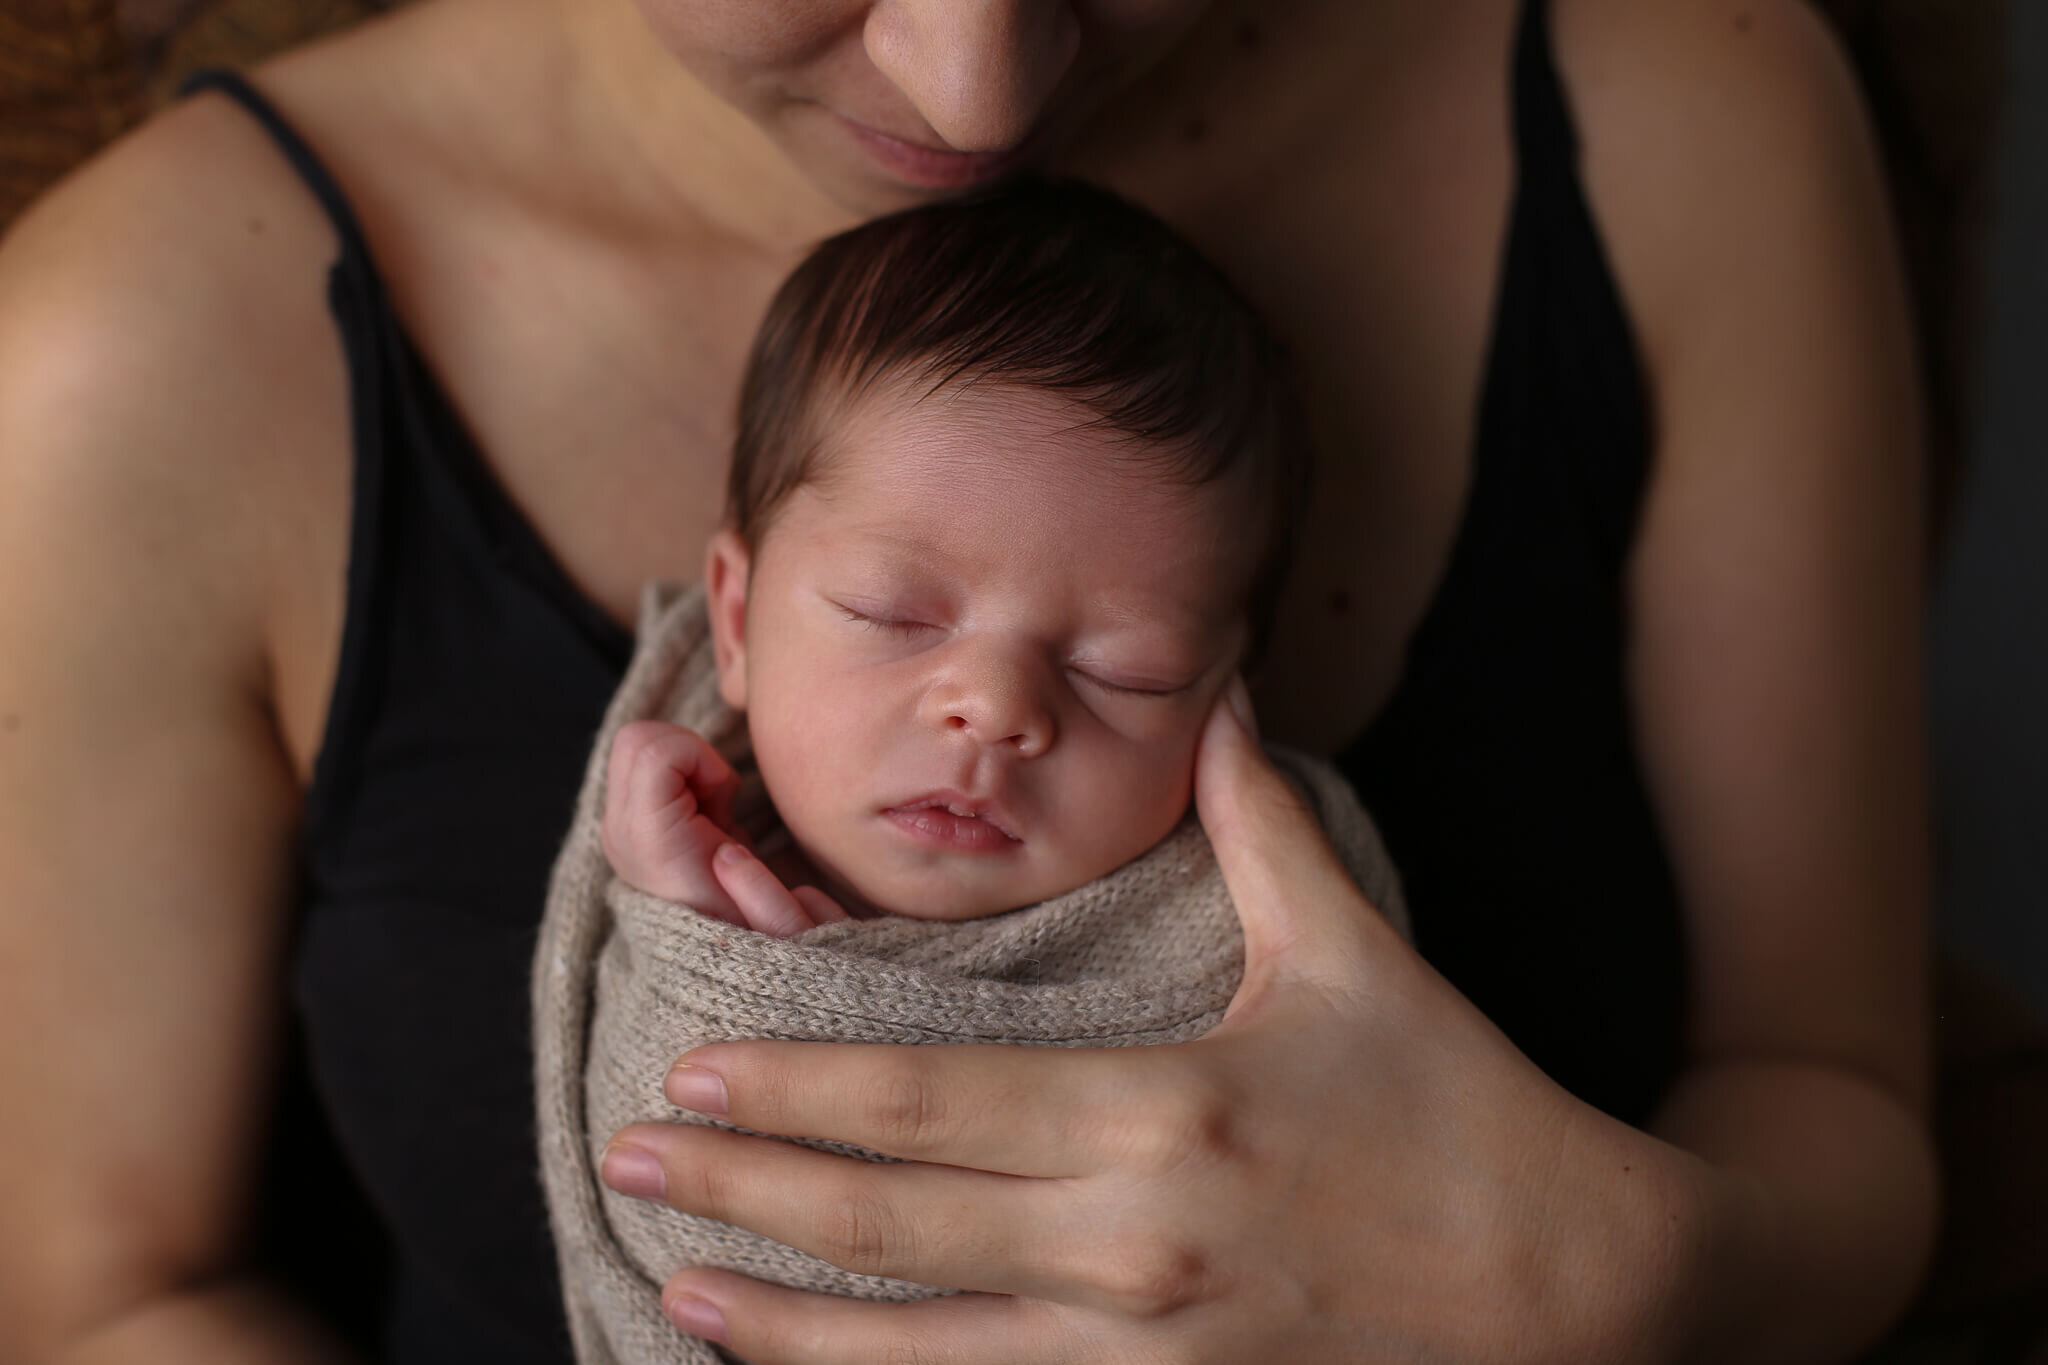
[997, 702]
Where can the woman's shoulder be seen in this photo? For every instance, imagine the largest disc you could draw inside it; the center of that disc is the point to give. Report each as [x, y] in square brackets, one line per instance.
[200, 227]
[1725, 147]
[173, 407]
[186, 254]
[1665, 52]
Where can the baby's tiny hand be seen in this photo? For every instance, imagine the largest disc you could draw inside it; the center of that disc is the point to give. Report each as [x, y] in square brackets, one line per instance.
[667, 808]
[668, 830]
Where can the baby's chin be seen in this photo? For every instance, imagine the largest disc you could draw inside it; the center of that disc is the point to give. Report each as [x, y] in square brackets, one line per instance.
[937, 897]
[952, 912]
[948, 889]
[939, 904]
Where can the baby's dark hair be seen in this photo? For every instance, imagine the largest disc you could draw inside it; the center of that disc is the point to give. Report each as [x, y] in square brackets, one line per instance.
[1047, 284]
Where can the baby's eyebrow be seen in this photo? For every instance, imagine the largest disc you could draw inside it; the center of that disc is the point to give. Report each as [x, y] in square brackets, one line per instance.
[916, 547]
[1182, 619]
[1183, 648]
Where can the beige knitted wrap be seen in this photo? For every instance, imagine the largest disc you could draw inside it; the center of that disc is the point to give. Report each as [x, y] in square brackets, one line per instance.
[624, 982]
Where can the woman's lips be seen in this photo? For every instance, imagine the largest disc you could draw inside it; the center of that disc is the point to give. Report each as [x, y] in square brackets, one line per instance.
[933, 168]
[953, 826]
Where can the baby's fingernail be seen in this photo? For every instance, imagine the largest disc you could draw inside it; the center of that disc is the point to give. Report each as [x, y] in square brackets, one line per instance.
[731, 853]
[698, 1318]
[692, 1087]
[634, 1171]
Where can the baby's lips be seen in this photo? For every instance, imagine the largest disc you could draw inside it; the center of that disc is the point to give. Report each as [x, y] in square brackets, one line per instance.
[964, 807]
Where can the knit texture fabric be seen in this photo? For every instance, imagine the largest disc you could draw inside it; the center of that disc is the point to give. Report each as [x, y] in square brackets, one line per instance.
[624, 982]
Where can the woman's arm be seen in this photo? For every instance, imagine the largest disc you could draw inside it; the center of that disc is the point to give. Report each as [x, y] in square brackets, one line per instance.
[1776, 610]
[145, 854]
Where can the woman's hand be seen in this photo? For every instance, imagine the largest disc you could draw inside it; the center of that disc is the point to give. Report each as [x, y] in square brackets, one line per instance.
[1354, 1166]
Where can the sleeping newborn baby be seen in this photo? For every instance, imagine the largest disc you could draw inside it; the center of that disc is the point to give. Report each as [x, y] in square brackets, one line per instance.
[1009, 508]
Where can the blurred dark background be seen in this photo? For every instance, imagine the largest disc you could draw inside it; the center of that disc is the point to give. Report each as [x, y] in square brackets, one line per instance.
[1990, 656]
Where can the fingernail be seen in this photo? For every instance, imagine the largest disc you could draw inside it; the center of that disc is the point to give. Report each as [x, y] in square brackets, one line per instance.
[633, 1171]
[1240, 698]
[692, 1087]
[730, 852]
[698, 1318]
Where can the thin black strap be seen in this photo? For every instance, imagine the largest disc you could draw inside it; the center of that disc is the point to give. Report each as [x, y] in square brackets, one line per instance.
[297, 151]
[1546, 139]
[1559, 326]
[379, 395]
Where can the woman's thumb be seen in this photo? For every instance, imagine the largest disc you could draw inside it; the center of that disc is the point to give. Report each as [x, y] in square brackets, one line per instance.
[1293, 894]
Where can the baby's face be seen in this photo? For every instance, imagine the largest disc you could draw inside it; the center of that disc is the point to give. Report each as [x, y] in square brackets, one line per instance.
[976, 653]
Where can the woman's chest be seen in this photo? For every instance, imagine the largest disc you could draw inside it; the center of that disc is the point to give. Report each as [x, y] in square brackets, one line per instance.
[1350, 168]
[596, 382]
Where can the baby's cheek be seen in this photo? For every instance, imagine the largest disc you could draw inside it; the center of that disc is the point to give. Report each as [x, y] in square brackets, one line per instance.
[1153, 736]
[1142, 800]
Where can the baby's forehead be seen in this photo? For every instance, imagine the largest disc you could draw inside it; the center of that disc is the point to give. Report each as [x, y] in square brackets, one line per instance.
[953, 471]
[1039, 441]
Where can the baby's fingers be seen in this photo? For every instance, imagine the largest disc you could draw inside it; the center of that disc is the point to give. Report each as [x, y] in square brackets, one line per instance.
[656, 766]
[764, 902]
[821, 907]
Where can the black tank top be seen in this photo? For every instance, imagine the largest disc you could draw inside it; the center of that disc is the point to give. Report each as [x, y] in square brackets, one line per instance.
[404, 1195]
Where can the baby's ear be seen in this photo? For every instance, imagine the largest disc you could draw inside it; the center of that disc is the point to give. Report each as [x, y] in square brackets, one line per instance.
[725, 596]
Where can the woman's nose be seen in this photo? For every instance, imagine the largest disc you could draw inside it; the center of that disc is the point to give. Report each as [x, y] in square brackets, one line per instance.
[979, 71]
[995, 701]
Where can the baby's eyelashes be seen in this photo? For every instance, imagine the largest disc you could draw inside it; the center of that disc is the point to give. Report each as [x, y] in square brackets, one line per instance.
[1131, 689]
[892, 625]
[1152, 677]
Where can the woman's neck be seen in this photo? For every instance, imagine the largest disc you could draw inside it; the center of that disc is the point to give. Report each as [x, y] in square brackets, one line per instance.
[672, 146]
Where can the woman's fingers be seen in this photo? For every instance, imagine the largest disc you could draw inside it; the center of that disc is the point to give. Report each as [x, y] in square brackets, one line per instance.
[1301, 912]
[899, 1219]
[1085, 1244]
[1026, 1111]
[770, 1325]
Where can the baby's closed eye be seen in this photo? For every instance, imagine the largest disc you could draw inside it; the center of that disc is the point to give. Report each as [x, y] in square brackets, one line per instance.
[883, 619]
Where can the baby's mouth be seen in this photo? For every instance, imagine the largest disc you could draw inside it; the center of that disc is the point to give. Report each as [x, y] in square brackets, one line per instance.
[954, 822]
